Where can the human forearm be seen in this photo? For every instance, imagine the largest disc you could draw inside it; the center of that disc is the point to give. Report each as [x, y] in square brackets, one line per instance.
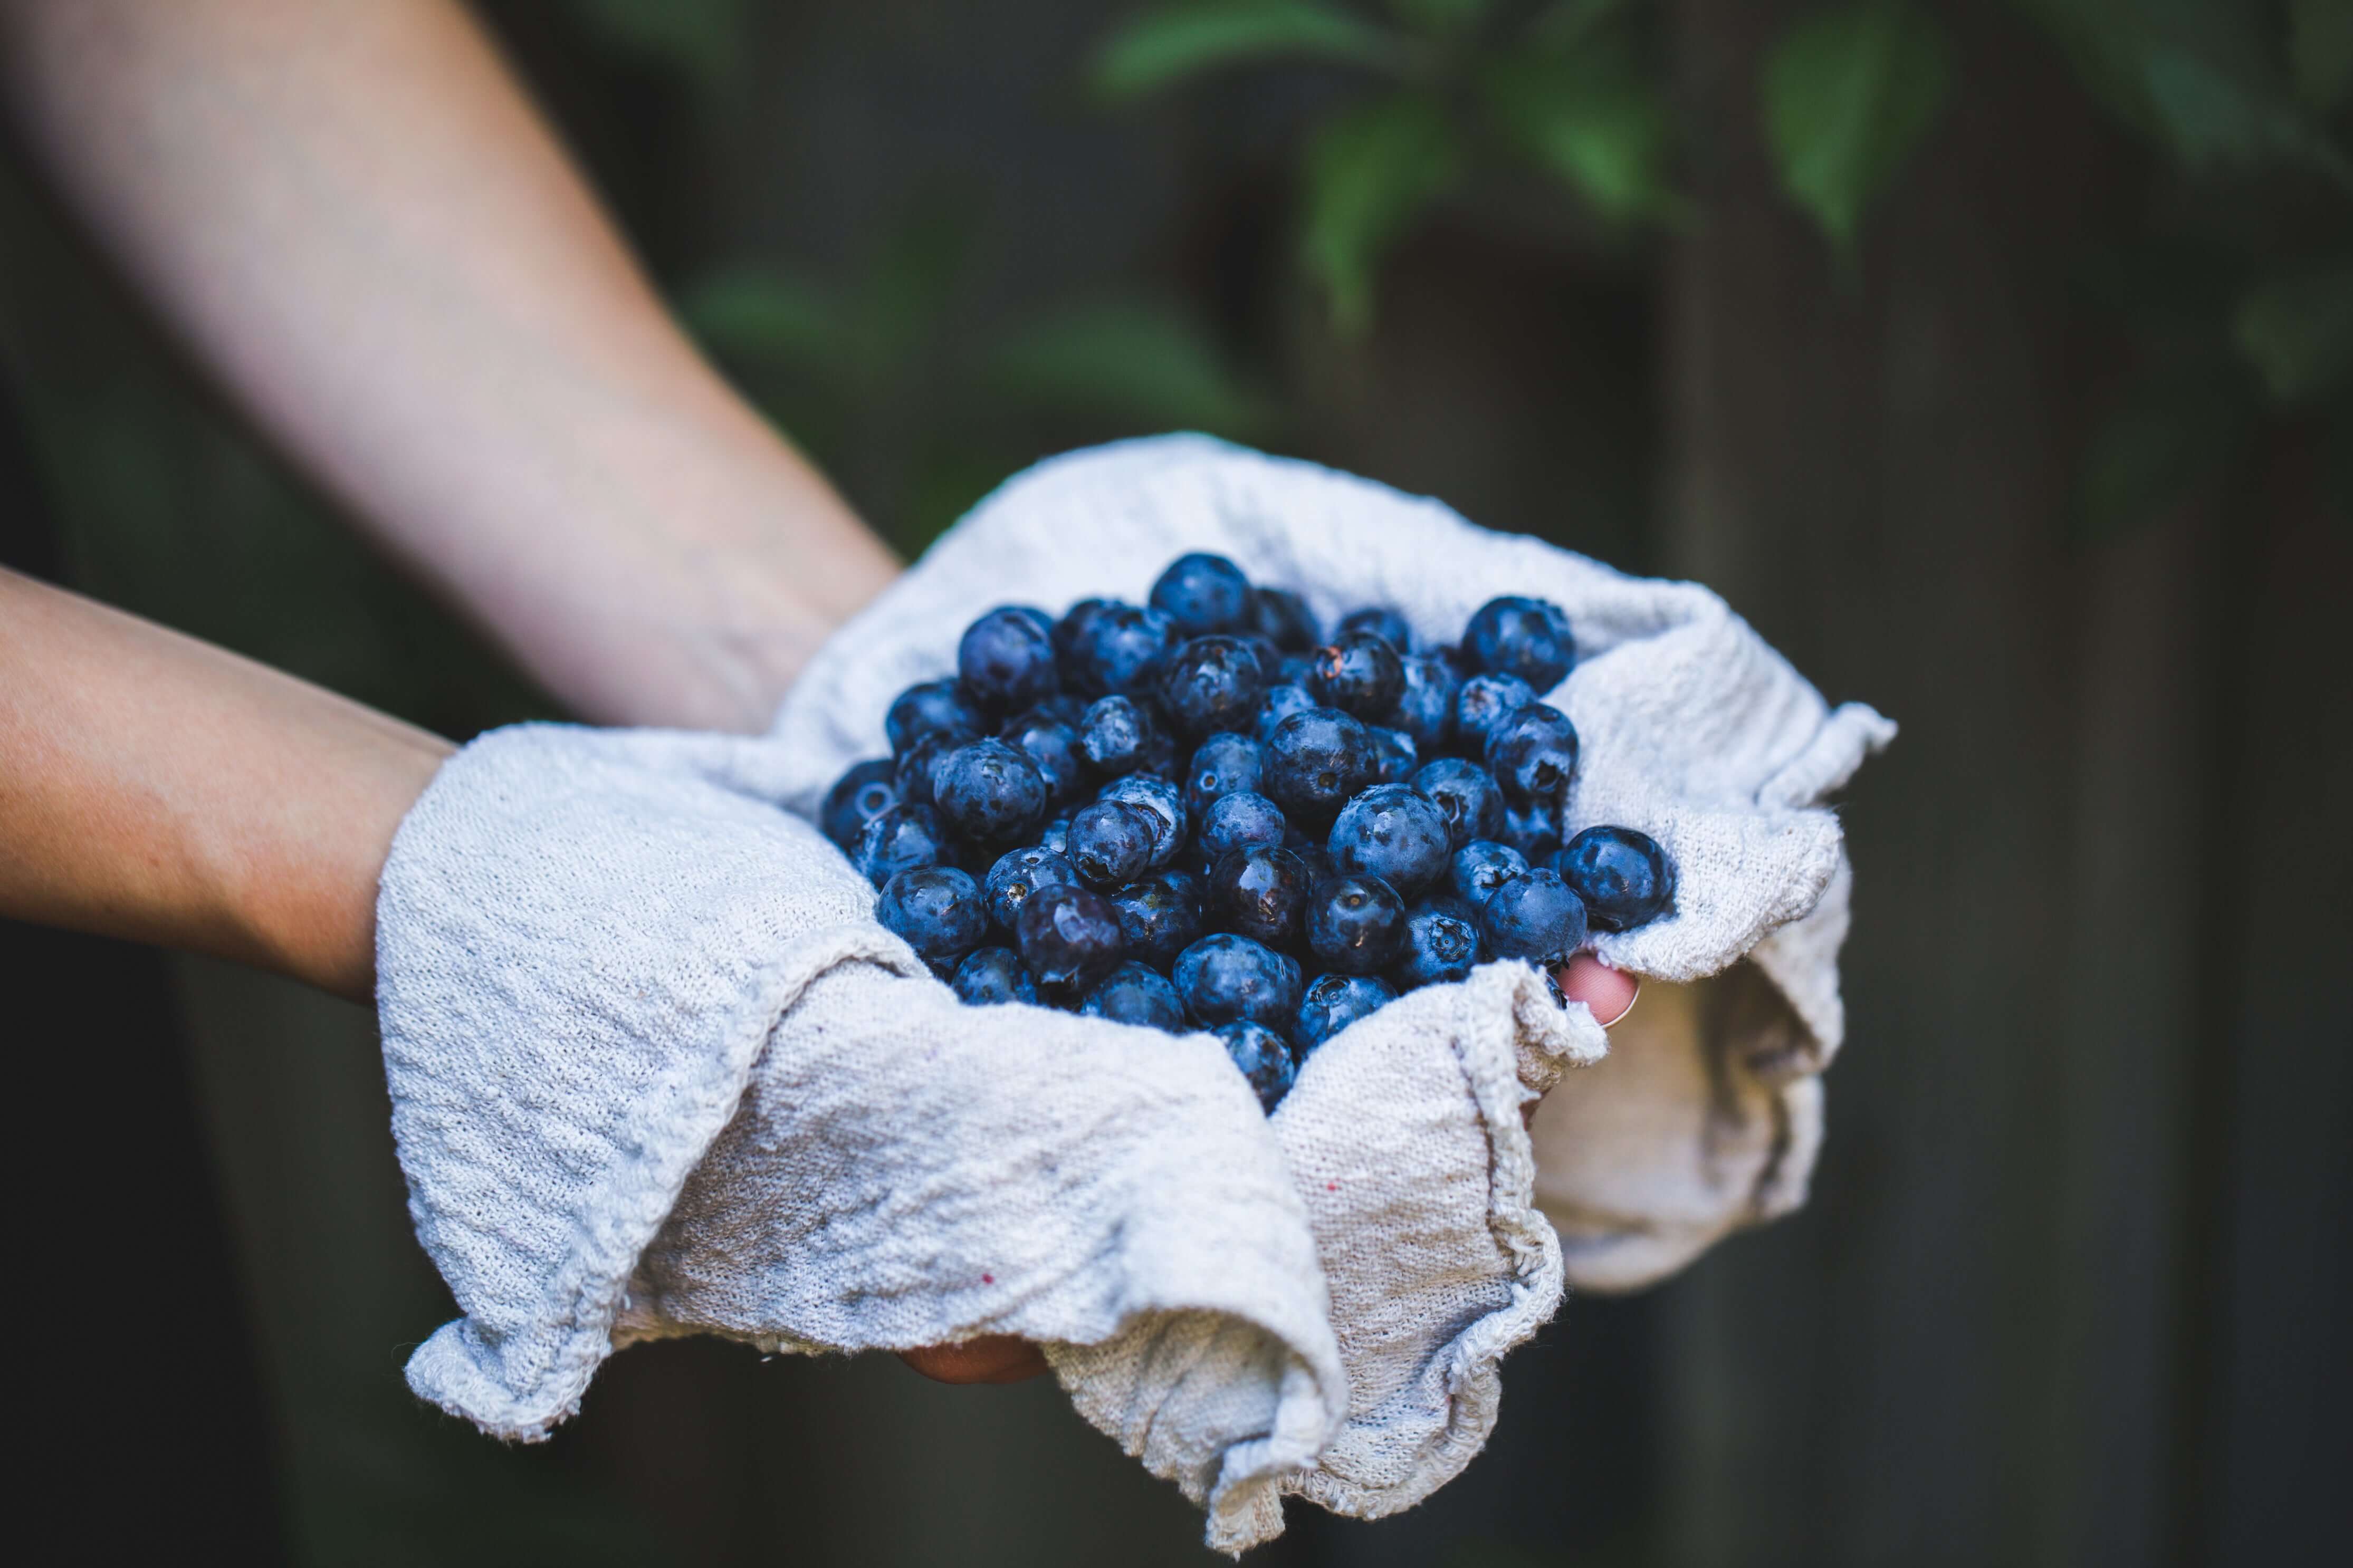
[353, 214]
[156, 788]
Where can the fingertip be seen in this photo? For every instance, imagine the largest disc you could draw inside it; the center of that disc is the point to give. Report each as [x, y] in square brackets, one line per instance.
[1609, 994]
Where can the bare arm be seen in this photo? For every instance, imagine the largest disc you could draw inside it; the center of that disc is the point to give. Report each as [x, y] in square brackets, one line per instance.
[353, 214]
[155, 788]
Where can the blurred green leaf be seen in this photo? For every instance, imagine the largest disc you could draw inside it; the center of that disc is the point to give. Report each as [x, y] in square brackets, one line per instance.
[1177, 41]
[1592, 119]
[2164, 439]
[1564, 24]
[753, 315]
[1142, 363]
[1369, 172]
[2320, 48]
[704, 38]
[1847, 93]
[2297, 331]
[911, 285]
[1440, 18]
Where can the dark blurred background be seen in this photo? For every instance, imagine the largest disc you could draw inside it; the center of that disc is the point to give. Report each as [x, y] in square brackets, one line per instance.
[1995, 359]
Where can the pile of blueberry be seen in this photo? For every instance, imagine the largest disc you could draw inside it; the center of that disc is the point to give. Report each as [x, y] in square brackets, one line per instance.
[1171, 814]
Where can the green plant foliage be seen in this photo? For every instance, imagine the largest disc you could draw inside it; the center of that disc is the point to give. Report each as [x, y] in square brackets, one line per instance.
[2164, 440]
[1440, 18]
[1134, 362]
[1847, 94]
[1369, 172]
[1175, 42]
[2297, 331]
[752, 313]
[1593, 118]
[704, 38]
[2320, 51]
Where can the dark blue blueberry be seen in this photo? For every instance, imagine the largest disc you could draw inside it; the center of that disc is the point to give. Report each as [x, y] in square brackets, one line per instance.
[1383, 623]
[991, 975]
[1051, 743]
[937, 909]
[1070, 938]
[1225, 977]
[1439, 947]
[1006, 660]
[1393, 832]
[1321, 867]
[1263, 1057]
[1019, 873]
[930, 707]
[1259, 893]
[1203, 593]
[1211, 683]
[1333, 1002]
[1533, 752]
[1533, 829]
[1292, 669]
[1166, 803]
[1270, 657]
[1277, 703]
[1447, 901]
[1315, 761]
[1055, 836]
[989, 792]
[1395, 756]
[1071, 634]
[1133, 994]
[1527, 637]
[1360, 673]
[1357, 924]
[1484, 702]
[1457, 658]
[899, 839]
[1223, 765]
[1239, 821]
[1116, 735]
[1467, 797]
[1119, 649]
[917, 771]
[1425, 706]
[1111, 842]
[1533, 916]
[1283, 618]
[858, 796]
[1159, 915]
[1483, 865]
[1623, 877]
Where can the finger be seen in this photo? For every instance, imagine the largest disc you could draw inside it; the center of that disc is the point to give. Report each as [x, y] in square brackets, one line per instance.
[1609, 993]
[991, 1358]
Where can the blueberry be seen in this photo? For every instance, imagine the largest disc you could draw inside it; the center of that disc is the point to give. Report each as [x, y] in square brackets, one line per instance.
[1533, 829]
[1333, 1002]
[929, 707]
[860, 795]
[1203, 593]
[1395, 832]
[1277, 703]
[1467, 795]
[1482, 703]
[1055, 836]
[1527, 637]
[918, 768]
[1211, 683]
[1447, 901]
[1225, 977]
[1356, 923]
[1116, 735]
[1360, 673]
[1111, 842]
[1321, 867]
[1006, 660]
[1120, 651]
[1159, 915]
[1051, 743]
[898, 839]
[1439, 947]
[1164, 800]
[990, 791]
[1533, 916]
[1533, 752]
[990, 975]
[1315, 761]
[1071, 631]
[1070, 938]
[1622, 875]
[1133, 994]
[937, 909]
[1283, 618]
[1425, 704]
[1223, 765]
[1395, 757]
[1292, 669]
[1263, 1057]
[1239, 821]
[1383, 623]
[1019, 873]
[1258, 893]
[1483, 865]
